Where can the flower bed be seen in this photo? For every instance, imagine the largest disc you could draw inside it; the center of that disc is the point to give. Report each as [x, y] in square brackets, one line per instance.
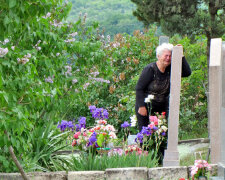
[96, 142]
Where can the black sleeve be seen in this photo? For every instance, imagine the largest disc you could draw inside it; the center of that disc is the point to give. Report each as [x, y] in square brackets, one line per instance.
[142, 85]
[186, 70]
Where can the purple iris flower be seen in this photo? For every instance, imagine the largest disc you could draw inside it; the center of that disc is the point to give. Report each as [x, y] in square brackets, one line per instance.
[62, 125]
[82, 122]
[78, 127]
[96, 145]
[155, 128]
[125, 124]
[163, 133]
[92, 108]
[146, 131]
[70, 125]
[139, 137]
[92, 139]
[99, 113]
[105, 114]
[96, 114]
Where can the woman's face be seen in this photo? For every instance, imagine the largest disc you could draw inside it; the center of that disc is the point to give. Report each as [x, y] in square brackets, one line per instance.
[165, 58]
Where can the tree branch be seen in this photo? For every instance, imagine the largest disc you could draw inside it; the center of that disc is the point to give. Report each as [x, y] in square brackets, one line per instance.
[11, 151]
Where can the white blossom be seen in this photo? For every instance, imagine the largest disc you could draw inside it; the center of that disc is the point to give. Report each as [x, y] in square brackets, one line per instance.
[74, 81]
[86, 85]
[24, 59]
[47, 15]
[73, 34]
[116, 44]
[160, 122]
[164, 128]
[3, 51]
[133, 120]
[149, 98]
[6, 41]
[70, 40]
[28, 55]
[49, 80]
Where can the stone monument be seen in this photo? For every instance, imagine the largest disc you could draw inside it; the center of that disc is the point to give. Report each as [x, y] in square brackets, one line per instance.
[215, 98]
[163, 39]
[217, 105]
[171, 156]
[221, 163]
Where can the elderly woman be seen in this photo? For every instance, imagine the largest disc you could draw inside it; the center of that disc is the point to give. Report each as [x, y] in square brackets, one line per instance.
[155, 80]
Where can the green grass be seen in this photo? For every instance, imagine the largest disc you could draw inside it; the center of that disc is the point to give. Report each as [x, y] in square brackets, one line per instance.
[88, 161]
[201, 134]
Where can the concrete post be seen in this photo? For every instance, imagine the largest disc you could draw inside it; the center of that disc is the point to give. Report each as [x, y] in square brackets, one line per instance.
[215, 98]
[221, 164]
[171, 157]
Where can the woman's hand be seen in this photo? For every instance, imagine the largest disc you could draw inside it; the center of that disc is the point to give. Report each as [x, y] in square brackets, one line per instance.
[182, 46]
[142, 111]
[179, 45]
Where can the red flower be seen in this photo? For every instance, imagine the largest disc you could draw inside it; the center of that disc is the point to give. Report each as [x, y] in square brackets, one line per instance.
[74, 142]
[76, 135]
[104, 134]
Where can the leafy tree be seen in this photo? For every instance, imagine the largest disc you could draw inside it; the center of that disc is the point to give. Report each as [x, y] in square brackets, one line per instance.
[192, 17]
[41, 66]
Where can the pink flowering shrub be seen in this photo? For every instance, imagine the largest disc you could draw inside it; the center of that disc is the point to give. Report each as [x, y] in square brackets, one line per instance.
[200, 168]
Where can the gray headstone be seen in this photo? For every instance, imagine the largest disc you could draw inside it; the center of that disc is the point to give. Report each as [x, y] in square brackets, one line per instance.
[171, 157]
[131, 139]
[223, 108]
[221, 164]
[163, 39]
[215, 98]
[217, 105]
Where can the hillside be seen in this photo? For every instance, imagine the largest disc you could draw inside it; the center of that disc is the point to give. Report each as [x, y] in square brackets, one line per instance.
[114, 16]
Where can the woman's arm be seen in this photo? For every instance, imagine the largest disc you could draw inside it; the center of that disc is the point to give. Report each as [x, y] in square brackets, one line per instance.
[142, 85]
[186, 70]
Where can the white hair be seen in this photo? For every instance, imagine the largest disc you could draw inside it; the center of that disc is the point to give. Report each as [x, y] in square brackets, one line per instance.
[162, 47]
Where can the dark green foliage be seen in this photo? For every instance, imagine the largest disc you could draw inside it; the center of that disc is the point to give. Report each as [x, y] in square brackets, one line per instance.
[45, 142]
[42, 145]
[192, 17]
[183, 17]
